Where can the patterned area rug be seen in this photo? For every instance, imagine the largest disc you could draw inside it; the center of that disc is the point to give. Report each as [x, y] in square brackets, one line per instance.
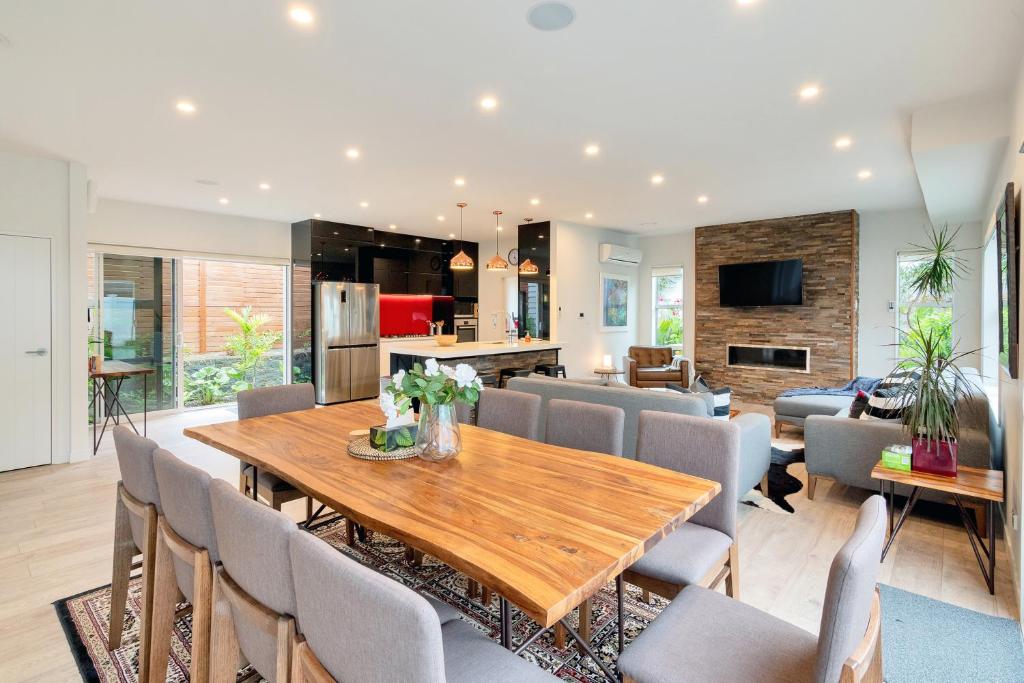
[780, 483]
[85, 617]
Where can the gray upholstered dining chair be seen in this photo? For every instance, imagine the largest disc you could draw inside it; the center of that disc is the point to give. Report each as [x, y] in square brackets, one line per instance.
[359, 625]
[714, 638]
[186, 550]
[705, 549]
[135, 524]
[286, 398]
[253, 592]
[586, 426]
[512, 412]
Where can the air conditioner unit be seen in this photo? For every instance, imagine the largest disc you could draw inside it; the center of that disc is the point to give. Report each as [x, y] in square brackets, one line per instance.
[624, 256]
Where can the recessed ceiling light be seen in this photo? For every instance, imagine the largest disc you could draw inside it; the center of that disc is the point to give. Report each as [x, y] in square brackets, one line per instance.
[592, 150]
[223, 200]
[417, 240]
[703, 199]
[657, 179]
[316, 215]
[185, 107]
[588, 215]
[352, 153]
[364, 204]
[864, 174]
[810, 91]
[393, 227]
[264, 186]
[843, 142]
[534, 201]
[441, 218]
[745, 3]
[488, 103]
[451, 235]
[550, 16]
[301, 15]
[460, 182]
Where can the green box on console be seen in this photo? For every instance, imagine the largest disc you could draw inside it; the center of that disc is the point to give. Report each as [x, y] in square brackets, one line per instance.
[896, 457]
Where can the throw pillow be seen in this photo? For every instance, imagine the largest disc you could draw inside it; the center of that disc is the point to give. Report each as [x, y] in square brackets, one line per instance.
[723, 399]
[860, 403]
[891, 398]
[699, 385]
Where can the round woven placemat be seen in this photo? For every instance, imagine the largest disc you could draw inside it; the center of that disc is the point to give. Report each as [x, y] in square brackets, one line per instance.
[360, 448]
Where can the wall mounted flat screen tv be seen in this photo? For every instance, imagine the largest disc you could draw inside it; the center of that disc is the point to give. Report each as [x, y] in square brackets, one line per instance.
[768, 283]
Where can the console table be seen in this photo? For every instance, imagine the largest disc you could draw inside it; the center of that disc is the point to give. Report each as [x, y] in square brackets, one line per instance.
[974, 482]
[110, 376]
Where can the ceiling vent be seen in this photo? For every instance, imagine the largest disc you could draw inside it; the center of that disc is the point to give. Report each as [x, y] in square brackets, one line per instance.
[550, 16]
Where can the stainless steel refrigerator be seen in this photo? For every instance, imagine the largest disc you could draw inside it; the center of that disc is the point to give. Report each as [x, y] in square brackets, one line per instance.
[346, 341]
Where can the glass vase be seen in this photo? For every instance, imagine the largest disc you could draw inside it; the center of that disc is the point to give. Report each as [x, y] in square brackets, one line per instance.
[438, 437]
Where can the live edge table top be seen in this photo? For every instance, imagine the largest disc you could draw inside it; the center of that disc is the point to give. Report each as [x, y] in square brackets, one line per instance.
[544, 526]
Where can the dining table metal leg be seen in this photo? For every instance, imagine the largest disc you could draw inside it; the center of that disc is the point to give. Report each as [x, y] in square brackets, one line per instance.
[506, 623]
[620, 590]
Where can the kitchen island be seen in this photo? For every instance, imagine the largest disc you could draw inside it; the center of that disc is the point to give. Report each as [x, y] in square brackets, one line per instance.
[487, 358]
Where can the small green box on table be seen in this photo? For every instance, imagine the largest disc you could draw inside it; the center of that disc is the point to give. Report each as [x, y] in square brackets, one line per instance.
[896, 457]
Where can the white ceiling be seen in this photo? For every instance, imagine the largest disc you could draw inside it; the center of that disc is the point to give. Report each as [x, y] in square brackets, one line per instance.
[703, 91]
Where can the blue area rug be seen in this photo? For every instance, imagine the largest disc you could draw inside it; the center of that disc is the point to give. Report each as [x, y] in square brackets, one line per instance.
[929, 640]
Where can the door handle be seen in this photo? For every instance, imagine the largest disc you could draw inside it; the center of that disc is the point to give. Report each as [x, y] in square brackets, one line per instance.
[37, 352]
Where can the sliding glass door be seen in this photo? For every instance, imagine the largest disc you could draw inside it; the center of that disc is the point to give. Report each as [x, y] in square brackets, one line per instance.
[137, 318]
[208, 327]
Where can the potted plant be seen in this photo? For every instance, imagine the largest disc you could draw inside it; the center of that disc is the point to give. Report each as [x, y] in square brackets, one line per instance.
[437, 388]
[933, 385]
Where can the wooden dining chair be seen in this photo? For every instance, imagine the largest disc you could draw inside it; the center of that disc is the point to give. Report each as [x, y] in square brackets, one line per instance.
[587, 427]
[135, 522]
[358, 625]
[705, 549]
[253, 592]
[261, 402]
[511, 412]
[186, 549]
[705, 636]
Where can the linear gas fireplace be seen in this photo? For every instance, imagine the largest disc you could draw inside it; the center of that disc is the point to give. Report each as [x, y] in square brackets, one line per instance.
[790, 358]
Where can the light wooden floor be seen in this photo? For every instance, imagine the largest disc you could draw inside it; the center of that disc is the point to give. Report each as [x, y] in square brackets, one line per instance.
[56, 531]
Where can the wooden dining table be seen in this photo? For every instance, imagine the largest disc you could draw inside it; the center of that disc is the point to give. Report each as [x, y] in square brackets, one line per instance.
[543, 526]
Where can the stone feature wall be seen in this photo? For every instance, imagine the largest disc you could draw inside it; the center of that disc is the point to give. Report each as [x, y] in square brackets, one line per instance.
[826, 322]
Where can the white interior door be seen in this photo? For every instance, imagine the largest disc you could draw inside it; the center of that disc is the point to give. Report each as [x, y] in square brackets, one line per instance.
[25, 371]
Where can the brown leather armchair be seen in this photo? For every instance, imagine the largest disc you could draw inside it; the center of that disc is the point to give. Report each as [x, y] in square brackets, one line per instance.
[651, 366]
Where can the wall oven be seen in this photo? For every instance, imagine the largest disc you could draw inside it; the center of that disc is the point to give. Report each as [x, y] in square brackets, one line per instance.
[465, 329]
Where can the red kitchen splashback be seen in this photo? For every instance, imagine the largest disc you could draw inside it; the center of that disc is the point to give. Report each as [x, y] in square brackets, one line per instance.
[405, 314]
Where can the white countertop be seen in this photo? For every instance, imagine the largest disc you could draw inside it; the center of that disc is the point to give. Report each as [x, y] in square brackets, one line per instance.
[467, 349]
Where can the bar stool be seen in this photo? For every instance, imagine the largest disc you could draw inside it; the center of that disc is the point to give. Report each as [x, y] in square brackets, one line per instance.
[507, 373]
[550, 369]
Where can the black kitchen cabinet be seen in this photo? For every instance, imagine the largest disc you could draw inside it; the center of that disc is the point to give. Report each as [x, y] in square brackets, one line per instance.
[466, 282]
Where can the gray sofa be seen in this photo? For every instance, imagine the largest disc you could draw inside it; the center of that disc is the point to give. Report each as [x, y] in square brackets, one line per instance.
[795, 410]
[844, 449]
[755, 429]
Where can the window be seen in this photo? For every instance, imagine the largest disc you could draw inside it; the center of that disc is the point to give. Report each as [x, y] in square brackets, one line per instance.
[921, 312]
[667, 316]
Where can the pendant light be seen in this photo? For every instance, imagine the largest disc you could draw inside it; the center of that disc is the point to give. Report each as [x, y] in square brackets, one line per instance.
[461, 261]
[496, 262]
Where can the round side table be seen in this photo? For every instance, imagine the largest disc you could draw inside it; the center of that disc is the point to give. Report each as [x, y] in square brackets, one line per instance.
[608, 373]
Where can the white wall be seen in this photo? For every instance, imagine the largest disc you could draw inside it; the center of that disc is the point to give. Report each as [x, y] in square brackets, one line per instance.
[882, 235]
[1011, 391]
[161, 227]
[668, 250]
[46, 198]
[575, 284]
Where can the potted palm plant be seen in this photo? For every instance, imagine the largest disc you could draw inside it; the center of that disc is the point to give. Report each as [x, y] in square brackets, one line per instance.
[934, 387]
